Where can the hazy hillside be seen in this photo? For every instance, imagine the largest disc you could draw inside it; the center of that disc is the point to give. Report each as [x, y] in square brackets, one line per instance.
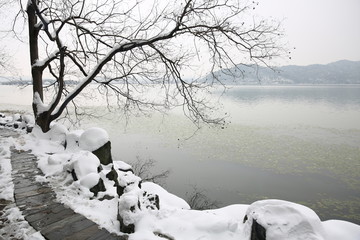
[341, 72]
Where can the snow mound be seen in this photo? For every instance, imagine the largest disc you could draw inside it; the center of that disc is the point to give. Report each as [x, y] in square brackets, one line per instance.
[85, 163]
[6, 184]
[284, 220]
[73, 140]
[122, 166]
[90, 180]
[336, 229]
[93, 138]
[167, 200]
[17, 121]
[57, 133]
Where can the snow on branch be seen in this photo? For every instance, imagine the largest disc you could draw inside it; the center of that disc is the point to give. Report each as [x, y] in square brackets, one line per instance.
[123, 42]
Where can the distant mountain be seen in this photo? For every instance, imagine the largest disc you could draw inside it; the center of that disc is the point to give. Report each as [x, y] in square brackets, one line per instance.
[22, 82]
[340, 72]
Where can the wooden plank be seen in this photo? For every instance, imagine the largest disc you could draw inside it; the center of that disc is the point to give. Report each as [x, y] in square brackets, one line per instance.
[103, 234]
[21, 183]
[28, 188]
[19, 165]
[27, 169]
[45, 206]
[83, 234]
[49, 216]
[66, 227]
[35, 201]
[30, 193]
[40, 209]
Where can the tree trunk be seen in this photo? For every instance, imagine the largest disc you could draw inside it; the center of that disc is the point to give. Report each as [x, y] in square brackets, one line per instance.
[43, 119]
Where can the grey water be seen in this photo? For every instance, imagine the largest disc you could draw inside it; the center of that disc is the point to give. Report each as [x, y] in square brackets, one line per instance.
[296, 143]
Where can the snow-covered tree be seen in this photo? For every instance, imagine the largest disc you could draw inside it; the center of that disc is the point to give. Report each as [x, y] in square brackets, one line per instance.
[126, 45]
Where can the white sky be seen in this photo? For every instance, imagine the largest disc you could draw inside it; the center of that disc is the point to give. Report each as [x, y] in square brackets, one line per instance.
[322, 31]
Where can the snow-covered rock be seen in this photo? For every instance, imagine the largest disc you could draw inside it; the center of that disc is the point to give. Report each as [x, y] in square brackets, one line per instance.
[73, 140]
[93, 138]
[284, 220]
[336, 229]
[17, 121]
[90, 180]
[57, 133]
[146, 210]
[122, 166]
[97, 141]
[85, 163]
[167, 200]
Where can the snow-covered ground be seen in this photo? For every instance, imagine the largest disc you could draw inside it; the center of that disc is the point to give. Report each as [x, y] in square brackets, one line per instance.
[12, 223]
[172, 219]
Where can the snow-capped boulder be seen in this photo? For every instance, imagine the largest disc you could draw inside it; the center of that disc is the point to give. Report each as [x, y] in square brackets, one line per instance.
[337, 229]
[85, 163]
[57, 133]
[134, 202]
[85, 168]
[93, 138]
[73, 139]
[118, 166]
[282, 220]
[17, 121]
[96, 140]
[168, 200]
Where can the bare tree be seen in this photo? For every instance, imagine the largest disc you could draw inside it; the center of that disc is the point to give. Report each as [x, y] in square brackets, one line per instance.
[125, 46]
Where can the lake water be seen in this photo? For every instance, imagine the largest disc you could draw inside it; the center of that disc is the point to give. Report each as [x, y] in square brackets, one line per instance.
[297, 143]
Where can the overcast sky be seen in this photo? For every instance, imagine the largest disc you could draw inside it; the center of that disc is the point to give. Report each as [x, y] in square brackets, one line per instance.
[322, 31]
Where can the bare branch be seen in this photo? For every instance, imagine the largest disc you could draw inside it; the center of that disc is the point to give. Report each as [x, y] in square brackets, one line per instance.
[111, 42]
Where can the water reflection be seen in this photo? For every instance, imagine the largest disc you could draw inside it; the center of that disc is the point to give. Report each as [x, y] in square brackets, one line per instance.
[297, 143]
[329, 94]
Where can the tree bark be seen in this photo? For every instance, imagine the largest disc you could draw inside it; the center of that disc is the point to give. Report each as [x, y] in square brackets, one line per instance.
[43, 119]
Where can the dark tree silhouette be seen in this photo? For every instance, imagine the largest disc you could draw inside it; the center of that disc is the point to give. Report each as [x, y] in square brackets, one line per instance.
[126, 46]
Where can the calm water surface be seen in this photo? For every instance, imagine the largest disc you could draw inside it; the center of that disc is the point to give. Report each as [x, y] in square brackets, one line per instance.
[297, 143]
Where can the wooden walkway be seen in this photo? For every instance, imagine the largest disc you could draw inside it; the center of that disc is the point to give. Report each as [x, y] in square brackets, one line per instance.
[37, 201]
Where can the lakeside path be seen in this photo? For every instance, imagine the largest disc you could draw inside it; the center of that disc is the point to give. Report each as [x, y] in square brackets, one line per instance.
[38, 204]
